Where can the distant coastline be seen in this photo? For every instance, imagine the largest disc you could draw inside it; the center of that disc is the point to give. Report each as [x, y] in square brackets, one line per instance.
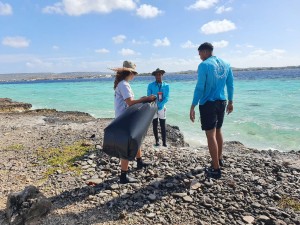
[245, 69]
[24, 77]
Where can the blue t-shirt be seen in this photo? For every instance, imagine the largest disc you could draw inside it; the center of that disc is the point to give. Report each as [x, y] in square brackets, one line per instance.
[213, 75]
[154, 88]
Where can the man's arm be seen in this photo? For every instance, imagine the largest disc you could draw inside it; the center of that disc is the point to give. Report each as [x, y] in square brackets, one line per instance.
[149, 91]
[165, 97]
[199, 89]
[230, 90]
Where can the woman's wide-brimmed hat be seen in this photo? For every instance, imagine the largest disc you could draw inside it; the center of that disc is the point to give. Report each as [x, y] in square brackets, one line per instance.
[158, 71]
[127, 66]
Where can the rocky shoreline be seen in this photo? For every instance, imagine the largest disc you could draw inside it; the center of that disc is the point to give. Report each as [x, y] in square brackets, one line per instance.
[60, 153]
[7, 105]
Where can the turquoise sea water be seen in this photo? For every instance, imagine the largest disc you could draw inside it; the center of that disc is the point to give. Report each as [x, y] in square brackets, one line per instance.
[266, 104]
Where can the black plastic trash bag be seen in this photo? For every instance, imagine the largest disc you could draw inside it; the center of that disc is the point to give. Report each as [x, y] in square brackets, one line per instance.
[124, 136]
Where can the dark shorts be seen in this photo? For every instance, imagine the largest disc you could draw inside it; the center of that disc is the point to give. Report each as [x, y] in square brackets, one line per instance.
[212, 114]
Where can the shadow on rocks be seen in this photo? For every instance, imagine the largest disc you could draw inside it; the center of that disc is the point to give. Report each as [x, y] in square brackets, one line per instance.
[129, 198]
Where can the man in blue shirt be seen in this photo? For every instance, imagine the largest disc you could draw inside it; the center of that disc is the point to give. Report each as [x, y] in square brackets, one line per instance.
[161, 90]
[213, 75]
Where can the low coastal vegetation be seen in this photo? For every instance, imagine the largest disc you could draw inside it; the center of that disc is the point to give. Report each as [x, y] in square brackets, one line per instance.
[288, 202]
[15, 147]
[62, 159]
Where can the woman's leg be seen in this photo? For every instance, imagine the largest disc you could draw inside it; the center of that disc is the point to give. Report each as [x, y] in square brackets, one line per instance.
[124, 178]
[139, 162]
[139, 154]
[124, 165]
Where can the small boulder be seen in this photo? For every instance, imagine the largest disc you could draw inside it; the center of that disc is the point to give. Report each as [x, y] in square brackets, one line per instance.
[248, 219]
[27, 206]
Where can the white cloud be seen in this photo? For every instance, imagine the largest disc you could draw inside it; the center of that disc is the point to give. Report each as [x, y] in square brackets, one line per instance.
[223, 9]
[136, 42]
[38, 63]
[162, 42]
[102, 50]
[148, 11]
[5, 9]
[57, 8]
[16, 42]
[220, 44]
[81, 7]
[119, 39]
[262, 58]
[12, 63]
[14, 58]
[278, 51]
[218, 26]
[189, 44]
[274, 53]
[127, 52]
[203, 4]
[169, 64]
[244, 46]
[55, 47]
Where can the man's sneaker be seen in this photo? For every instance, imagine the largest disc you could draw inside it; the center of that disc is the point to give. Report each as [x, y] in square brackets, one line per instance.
[127, 179]
[156, 144]
[212, 173]
[141, 164]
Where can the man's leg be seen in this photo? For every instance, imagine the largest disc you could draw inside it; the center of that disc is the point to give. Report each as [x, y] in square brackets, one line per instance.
[213, 147]
[163, 131]
[219, 137]
[209, 123]
[155, 131]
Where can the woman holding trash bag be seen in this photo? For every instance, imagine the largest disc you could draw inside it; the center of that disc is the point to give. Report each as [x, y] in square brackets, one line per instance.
[124, 98]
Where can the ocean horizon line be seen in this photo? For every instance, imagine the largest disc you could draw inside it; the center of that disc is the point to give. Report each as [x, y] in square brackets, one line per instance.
[71, 76]
[142, 73]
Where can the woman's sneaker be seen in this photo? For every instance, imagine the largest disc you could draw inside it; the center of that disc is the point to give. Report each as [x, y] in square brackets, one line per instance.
[140, 164]
[221, 162]
[125, 179]
[213, 173]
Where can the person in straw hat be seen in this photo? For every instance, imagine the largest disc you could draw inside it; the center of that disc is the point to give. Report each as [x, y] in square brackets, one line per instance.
[160, 89]
[124, 98]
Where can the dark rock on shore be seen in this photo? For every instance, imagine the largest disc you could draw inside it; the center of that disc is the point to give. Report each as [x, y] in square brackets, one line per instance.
[7, 105]
[54, 116]
[175, 136]
[27, 206]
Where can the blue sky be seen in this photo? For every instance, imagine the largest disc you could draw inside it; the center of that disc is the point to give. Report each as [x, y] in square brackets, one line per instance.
[94, 35]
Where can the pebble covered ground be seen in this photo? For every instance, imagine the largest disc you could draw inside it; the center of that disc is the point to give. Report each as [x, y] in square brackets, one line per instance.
[257, 187]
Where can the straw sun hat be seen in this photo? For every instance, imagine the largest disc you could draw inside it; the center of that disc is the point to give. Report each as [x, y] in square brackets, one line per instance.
[127, 66]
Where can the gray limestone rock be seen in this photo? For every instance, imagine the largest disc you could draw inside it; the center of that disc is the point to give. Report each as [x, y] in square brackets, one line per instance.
[27, 206]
